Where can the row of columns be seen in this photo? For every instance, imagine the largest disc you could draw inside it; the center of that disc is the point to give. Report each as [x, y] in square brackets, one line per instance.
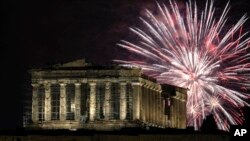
[107, 99]
[123, 100]
[152, 109]
[47, 102]
[136, 100]
[178, 111]
[148, 104]
[92, 101]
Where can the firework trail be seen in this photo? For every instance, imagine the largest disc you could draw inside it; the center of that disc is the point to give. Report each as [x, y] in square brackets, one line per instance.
[194, 50]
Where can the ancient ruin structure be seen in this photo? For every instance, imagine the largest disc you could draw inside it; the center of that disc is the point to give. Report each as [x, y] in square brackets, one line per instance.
[79, 95]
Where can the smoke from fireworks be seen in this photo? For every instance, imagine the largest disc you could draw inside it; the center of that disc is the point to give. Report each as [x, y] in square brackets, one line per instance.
[195, 51]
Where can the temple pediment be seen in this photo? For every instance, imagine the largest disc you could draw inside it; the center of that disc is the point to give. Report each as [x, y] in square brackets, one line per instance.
[75, 63]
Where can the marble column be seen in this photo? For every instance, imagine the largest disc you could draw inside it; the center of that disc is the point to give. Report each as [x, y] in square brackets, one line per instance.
[161, 110]
[178, 113]
[183, 113]
[150, 105]
[153, 112]
[173, 112]
[107, 98]
[136, 100]
[47, 108]
[146, 103]
[155, 108]
[154, 94]
[168, 116]
[143, 105]
[92, 101]
[35, 117]
[63, 101]
[123, 104]
[172, 118]
[158, 108]
[77, 101]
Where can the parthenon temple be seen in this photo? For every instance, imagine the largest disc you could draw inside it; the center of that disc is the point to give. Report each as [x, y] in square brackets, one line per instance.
[78, 95]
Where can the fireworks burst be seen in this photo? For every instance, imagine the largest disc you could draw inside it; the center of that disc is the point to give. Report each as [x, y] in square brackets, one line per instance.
[194, 50]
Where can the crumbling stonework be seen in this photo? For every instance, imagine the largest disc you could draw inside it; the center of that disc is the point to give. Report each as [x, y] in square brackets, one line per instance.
[105, 98]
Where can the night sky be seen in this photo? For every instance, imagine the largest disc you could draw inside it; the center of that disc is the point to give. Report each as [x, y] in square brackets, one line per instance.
[41, 33]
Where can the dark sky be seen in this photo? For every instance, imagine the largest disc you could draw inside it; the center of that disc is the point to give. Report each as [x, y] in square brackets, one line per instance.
[43, 32]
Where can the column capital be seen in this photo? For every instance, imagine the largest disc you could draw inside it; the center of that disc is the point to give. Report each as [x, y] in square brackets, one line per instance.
[47, 85]
[107, 83]
[77, 84]
[136, 84]
[34, 85]
[122, 83]
[62, 84]
[92, 83]
[158, 90]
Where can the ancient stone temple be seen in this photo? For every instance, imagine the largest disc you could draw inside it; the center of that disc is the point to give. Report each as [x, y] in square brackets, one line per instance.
[79, 95]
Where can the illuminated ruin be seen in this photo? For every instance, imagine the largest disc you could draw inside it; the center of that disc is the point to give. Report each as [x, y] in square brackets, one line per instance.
[77, 95]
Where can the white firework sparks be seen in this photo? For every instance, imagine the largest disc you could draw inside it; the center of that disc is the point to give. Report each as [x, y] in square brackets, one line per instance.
[194, 50]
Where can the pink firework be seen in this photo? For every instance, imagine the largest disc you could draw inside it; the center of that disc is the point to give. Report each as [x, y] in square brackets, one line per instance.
[194, 50]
